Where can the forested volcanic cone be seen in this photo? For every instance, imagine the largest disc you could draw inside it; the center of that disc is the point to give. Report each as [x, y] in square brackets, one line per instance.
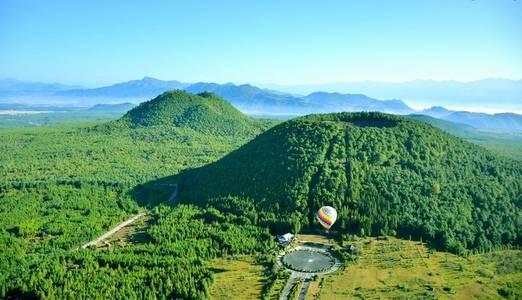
[385, 175]
[205, 113]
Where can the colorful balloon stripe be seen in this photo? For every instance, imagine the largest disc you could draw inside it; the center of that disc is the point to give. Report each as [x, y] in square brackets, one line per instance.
[326, 216]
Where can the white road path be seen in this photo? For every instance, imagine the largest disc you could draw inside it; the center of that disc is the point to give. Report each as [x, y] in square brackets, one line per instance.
[125, 223]
[292, 281]
[114, 230]
[285, 294]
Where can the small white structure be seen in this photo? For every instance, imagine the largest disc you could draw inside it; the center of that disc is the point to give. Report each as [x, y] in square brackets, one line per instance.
[286, 238]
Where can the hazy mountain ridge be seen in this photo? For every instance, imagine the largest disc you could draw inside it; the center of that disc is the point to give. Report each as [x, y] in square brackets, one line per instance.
[14, 88]
[146, 87]
[482, 121]
[250, 98]
[337, 102]
[502, 93]
[254, 100]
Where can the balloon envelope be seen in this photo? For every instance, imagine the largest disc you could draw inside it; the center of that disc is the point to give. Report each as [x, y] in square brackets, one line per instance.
[326, 216]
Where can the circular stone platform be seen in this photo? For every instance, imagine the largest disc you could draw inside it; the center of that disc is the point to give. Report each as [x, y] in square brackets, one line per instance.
[308, 261]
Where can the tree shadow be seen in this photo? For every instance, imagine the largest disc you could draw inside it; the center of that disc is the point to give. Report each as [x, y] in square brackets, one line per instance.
[218, 270]
[152, 193]
[20, 294]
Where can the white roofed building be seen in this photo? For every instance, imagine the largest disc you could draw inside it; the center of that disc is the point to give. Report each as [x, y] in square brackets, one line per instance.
[286, 238]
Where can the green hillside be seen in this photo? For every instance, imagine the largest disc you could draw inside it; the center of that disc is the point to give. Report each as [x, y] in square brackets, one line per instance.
[204, 112]
[61, 187]
[385, 174]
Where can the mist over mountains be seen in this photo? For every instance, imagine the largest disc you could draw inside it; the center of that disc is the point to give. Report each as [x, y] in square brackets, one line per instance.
[247, 98]
[263, 101]
[253, 100]
[487, 94]
[500, 121]
[146, 87]
[16, 88]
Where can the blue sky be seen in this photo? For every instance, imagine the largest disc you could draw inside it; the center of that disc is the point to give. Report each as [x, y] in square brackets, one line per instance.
[284, 42]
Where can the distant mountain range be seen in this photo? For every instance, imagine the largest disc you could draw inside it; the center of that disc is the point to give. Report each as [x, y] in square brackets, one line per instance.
[501, 121]
[337, 102]
[144, 88]
[17, 88]
[503, 94]
[254, 100]
[247, 98]
[251, 99]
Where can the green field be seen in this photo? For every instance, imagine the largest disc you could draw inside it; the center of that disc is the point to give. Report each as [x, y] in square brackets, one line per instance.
[386, 268]
[392, 268]
[237, 278]
[55, 119]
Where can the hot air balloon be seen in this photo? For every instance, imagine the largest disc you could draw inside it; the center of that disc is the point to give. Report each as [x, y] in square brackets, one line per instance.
[326, 216]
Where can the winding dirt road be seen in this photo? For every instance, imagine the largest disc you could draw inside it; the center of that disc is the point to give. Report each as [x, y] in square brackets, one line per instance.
[126, 223]
[114, 230]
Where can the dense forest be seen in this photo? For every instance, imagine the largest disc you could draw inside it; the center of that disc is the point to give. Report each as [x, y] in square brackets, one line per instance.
[63, 186]
[124, 152]
[170, 265]
[385, 175]
[242, 180]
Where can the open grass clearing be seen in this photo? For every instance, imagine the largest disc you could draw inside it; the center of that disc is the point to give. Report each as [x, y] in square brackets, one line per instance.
[315, 238]
[237, 278]
[396, 268]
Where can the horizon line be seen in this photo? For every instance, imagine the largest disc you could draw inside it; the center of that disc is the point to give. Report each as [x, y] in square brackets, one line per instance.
[256, 83]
